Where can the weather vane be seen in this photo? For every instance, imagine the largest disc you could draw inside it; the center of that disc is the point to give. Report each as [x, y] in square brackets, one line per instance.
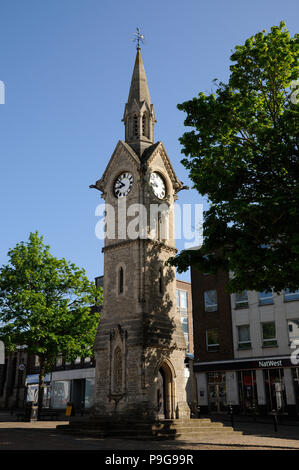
[139, 38]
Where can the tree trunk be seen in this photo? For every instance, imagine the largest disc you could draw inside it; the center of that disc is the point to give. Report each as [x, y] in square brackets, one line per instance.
[41, 386]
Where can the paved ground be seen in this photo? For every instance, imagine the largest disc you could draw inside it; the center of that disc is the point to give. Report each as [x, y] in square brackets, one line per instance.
[44, 436]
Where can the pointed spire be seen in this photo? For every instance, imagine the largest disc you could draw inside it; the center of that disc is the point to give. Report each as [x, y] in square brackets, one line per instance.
[139, 88]
[139, 116]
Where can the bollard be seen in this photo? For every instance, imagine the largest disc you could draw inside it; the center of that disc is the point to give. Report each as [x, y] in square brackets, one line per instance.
[231, 415]
[275, 422]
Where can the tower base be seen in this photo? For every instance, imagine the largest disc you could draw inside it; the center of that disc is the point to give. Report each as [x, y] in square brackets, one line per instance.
[183, 429]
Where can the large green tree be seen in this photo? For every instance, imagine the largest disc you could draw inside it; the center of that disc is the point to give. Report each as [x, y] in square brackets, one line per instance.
[242, 154]
[45, 304]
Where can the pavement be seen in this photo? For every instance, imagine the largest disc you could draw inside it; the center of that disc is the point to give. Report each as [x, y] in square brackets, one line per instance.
[42, 435]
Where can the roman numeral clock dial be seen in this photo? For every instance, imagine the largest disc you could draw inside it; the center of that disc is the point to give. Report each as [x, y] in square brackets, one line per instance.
[123, 184]
[158, 185]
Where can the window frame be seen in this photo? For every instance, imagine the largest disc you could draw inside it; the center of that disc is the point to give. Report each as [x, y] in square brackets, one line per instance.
[267, 300]
[248, 343]
[239, 304]
[215, 345]
[212, 307]
[291, 296]
[266, 341]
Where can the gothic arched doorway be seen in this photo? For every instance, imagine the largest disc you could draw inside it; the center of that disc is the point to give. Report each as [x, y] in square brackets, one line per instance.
[165, 392]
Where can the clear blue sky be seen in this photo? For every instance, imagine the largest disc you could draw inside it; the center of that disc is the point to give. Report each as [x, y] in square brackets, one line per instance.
[67, 66]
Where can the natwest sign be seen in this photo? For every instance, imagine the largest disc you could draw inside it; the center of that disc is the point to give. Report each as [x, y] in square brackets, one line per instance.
[270, 363]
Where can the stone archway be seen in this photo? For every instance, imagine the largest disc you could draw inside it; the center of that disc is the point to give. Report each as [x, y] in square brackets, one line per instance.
[166, 391]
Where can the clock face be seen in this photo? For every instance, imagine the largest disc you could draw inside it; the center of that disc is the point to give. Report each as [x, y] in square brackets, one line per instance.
[123, 184]
[158, 185]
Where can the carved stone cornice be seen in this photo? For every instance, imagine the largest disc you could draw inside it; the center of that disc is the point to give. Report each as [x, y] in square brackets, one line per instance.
[149, 241]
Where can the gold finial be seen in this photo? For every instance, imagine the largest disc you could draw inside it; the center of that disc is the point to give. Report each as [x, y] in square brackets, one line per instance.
[139, 38]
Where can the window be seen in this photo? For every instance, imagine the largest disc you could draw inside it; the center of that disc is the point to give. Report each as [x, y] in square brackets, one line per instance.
[160, 281]
[241, 299]
[269, 334]
[244, 337]
[293, 328]
[265, 298]
[144, 125]
[121, 280]
[181, 297]
[210, 300]
[212, 340]
[182, 303]
[117, 370]
[291, 295]
[184, 321]
[135, 130]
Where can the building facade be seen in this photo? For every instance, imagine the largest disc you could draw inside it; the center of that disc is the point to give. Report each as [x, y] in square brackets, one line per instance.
[245, 348]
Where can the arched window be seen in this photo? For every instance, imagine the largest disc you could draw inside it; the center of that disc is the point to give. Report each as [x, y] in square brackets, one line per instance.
[144, 130]
[135, 125]
[117, 370]
[160, 280]
[121, 281]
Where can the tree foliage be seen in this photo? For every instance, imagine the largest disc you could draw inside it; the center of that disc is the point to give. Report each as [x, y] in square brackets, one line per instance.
[242, 153]
[45, 304]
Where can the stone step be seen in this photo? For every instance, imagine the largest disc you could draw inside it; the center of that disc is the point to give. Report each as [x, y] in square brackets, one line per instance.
[166, 429]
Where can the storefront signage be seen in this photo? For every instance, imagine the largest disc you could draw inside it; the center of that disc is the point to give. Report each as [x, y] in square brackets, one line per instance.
[243, 365]
[34, 378]
[270, 363]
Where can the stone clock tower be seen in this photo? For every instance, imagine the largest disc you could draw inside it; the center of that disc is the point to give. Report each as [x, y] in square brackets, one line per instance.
[140, 347]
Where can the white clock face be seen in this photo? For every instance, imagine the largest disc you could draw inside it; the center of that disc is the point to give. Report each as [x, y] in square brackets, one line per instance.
[123, 184]
[158, 185]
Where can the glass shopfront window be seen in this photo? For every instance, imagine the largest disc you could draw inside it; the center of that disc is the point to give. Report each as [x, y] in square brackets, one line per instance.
[217, 392]
[89, 392]
[275, 390]
[295, 373]
[61, 393]
[32, 394]
[247, 391]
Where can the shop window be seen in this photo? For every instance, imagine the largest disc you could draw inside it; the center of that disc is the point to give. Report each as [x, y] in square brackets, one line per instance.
[212, 338]
[241, 299]
[275, 390]
[89, 392]
[244, 341]
[291, 295]
[210, 297]
[61, 393]
[269, 334]
[248, 391]
[265, 298]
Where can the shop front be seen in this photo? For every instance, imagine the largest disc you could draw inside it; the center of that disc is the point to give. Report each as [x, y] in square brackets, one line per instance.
[32, 385]
[75, 386]
[249, 386]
